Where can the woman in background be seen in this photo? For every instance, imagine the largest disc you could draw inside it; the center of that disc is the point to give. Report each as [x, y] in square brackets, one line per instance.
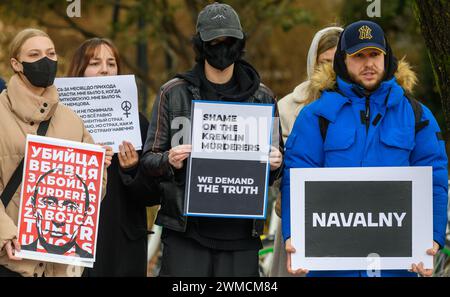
[322, 49]
[122, 233]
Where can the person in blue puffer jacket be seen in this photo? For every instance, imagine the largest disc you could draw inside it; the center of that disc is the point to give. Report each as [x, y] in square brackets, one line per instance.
[370, 122]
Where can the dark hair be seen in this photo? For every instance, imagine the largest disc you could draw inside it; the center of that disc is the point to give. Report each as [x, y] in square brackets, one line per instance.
[198, 45]
[86, 51]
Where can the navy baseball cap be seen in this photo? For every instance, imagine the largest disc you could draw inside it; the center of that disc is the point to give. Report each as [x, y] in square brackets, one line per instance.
[362, 35]
[218, 20]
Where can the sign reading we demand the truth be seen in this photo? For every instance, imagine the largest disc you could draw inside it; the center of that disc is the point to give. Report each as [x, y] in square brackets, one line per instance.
[361, 218]
[229, 165]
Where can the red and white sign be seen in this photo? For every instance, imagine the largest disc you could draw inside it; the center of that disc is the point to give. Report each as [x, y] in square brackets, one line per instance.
[60, 200]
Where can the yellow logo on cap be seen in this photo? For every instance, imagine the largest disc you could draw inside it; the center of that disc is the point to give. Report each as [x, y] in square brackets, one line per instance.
[365, 32]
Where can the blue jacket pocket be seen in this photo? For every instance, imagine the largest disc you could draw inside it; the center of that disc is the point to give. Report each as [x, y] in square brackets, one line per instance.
[339, 140]
[401, 137]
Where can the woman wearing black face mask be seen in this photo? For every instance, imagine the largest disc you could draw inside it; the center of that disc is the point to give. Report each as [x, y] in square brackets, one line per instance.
[30, 100]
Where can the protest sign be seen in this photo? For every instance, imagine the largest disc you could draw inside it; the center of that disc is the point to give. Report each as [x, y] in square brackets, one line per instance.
[108, 106]
[228, 168]
[361, 218]
[60, 200]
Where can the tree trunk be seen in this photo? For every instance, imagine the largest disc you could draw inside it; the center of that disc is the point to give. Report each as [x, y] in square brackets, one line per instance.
[142, 63]
[434, 20]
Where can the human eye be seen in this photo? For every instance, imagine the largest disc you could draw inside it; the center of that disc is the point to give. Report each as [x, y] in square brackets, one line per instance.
[33, 54]
[49, 201]
[72, 206]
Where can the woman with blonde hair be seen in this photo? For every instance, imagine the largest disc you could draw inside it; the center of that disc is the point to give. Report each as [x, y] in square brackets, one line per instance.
[28, 105]
[321, 51]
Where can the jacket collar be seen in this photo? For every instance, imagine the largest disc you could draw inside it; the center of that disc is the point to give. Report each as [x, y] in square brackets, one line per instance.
[29, 107]
[390, 93]
[330, 104]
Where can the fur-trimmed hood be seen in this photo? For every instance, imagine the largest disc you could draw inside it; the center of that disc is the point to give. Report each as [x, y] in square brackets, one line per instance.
[324, 78]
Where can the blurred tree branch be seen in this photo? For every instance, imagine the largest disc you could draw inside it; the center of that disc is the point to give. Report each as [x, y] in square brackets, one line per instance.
[164, 23]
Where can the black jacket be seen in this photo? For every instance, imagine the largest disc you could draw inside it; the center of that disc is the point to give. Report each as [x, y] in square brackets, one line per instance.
[122, 230]
[174, 100]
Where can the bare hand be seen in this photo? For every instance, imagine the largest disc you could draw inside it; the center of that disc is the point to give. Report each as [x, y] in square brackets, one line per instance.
[275, 158]
[291, 250]
[178, 154]
[128, 157]
[418, 268]
[108, 155]
[11, 247]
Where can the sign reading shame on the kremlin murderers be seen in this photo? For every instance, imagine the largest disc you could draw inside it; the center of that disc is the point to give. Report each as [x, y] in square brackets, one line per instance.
[228, 168]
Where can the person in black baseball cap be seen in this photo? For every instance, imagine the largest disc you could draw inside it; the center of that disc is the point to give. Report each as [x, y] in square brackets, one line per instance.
[365, 117]
[363, 35]
[217, 20]
[219, 39]
[364, 56]
[202, 246]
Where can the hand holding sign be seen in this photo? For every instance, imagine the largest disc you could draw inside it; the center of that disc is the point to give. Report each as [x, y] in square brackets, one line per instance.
[275, 158]
[418, 268]
[108, 156]
[290, 250]
[178, 154]
[11, 247]
[127, 155]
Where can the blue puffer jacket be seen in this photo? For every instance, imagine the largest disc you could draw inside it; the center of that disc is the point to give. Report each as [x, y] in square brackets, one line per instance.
[391, 142]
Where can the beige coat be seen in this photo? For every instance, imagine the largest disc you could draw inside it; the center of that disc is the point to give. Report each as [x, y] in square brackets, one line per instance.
[20, 114]
[290, 106]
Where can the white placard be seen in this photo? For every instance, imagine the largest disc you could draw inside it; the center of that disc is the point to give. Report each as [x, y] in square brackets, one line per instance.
[421, 217]
[108, 106]
[60, 200]
[228, 169]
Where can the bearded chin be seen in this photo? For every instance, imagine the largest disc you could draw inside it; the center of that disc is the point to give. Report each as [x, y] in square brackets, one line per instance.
[369, 87]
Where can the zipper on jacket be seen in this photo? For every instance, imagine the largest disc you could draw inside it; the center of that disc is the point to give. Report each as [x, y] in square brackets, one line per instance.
[367, 114]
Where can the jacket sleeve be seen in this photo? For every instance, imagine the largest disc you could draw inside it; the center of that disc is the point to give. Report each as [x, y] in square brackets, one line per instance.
[143, 191]
[277, 141]
[155, 161]
[304, 149]
[8, 229]
[430, 151]
[87, 138]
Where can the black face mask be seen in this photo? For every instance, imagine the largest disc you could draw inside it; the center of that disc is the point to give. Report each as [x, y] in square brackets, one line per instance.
[41, 73]
[222, 55]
